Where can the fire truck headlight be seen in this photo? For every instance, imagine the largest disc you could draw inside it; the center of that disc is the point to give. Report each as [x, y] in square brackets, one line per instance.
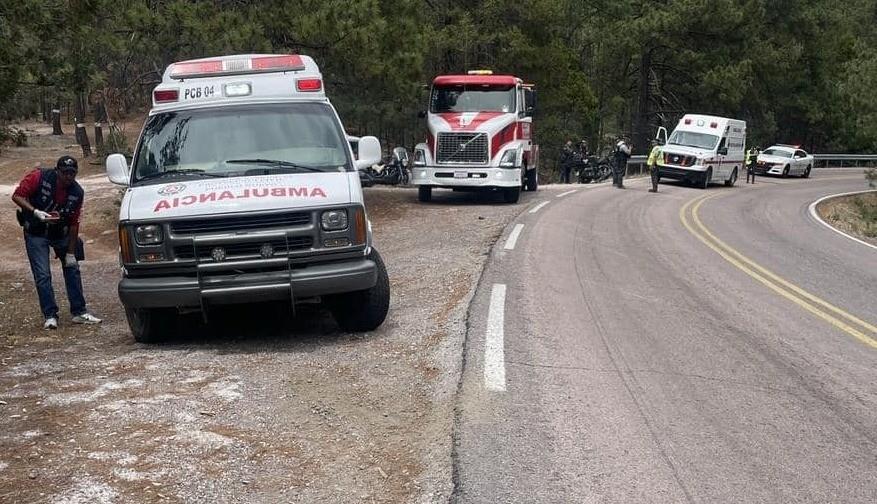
[334, 220]
[509, 159]
[148, 235]
[419, 158]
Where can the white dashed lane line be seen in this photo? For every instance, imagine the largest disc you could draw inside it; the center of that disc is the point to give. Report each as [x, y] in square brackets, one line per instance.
[513, 237]
[538, 207]
[561, 195]
[494, 341]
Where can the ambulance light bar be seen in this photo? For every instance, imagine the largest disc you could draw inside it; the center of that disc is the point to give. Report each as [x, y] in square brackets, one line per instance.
[208, 68]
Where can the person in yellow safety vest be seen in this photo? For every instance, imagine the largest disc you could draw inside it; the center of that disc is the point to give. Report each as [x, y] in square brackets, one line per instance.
[751, 158]
[652, 163]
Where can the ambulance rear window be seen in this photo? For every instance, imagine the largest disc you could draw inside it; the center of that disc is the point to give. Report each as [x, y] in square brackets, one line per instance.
[205, 140]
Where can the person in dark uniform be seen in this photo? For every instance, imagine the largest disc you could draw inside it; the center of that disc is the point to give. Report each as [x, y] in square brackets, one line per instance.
[50, 202]
[567, 159]
[621, 155]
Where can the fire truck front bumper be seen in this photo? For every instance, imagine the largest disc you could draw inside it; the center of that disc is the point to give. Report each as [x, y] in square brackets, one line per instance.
[465, 176]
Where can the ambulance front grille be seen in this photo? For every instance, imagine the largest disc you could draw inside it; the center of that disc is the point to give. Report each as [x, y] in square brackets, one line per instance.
[462, 148]
[240, 223]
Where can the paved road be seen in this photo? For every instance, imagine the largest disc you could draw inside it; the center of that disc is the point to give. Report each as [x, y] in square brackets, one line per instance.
[689, 346]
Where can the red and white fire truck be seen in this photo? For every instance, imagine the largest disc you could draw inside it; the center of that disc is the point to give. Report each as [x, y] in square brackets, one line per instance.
[480, 129]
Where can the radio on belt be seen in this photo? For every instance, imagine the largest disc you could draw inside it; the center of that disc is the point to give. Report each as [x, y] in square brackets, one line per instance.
[244, 188]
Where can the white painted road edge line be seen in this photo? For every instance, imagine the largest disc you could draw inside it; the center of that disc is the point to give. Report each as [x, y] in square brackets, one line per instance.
[513, 237]
[538, 207]
[815, 215]
[494, 343]
[561, 195]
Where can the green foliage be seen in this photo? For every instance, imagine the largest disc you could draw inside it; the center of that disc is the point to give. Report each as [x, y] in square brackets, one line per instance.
[796, 71]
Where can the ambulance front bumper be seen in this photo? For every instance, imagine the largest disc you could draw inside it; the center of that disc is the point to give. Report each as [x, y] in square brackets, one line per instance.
[269, 282]
[680, 173]
[465, 176]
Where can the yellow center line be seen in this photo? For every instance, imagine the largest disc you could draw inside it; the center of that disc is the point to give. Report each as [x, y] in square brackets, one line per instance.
[769, 279]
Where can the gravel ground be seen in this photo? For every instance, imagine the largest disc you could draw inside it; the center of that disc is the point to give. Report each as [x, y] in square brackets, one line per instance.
[257, 406]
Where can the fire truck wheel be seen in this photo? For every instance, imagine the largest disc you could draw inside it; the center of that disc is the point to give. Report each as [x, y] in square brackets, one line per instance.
[424, 193]
[363, 310]
[532, 180]
[511, 194]
[150, 325]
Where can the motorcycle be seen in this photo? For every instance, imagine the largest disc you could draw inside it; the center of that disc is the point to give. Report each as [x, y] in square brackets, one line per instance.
[393, 172]
[594, 169]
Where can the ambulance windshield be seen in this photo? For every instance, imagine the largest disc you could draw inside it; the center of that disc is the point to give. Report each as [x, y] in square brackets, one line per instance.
[693, 139]
[472, 98]
[296, 138]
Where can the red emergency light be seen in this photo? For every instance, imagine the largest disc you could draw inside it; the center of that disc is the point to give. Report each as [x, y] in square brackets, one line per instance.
[189, 68]
[309, 84]
[284, 62]
[165, 95]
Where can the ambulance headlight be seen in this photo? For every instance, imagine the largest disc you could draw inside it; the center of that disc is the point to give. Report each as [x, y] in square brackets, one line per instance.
[150, 234]
[334, 220]
[509, 159]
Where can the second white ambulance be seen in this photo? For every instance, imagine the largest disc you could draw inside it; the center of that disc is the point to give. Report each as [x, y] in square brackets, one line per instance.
[243, 188]
[703, 149]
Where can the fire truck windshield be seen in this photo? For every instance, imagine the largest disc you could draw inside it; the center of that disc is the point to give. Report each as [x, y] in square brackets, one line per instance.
[472, 98]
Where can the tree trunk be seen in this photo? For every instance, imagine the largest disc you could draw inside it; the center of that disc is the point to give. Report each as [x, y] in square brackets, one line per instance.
[79, 119]
[56, 118]
[640, 134]
[100, 116]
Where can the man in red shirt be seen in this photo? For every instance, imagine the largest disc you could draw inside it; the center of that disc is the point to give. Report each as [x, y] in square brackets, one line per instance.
[50, 204]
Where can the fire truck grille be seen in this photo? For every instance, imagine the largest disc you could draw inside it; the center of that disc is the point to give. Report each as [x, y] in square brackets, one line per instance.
[462, 148]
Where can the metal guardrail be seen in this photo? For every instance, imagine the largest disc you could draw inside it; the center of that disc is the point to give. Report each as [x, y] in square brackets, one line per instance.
[636, 164]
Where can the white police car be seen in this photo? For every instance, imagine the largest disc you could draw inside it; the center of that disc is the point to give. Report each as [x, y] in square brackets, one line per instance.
[243, 188]
[784, 160]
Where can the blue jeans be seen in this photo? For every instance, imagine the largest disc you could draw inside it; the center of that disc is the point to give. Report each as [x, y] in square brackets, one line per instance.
[38, 249]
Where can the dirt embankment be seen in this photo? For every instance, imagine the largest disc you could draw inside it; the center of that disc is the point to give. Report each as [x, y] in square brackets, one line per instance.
[256, 406]
[855, 214]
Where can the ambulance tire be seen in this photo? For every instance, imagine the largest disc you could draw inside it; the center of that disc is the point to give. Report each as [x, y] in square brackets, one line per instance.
[424, 193]
[532, 180]
[151, 325]
[705, 180]
[364, 310]
[733, 179]
[511, 194]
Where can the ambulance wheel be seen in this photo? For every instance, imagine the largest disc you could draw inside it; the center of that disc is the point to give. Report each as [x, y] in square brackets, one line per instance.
[730, 182]
[532, 180]
[806, 172]
[150, 325]
[511, 194]
[424, 193]
[364, 310]
[705, 180]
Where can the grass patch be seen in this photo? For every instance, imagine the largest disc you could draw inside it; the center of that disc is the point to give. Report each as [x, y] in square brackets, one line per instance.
[856, 215]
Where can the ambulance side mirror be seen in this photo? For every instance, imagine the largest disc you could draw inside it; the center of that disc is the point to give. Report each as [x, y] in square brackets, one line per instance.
[661, 135]
[421, 114]
[117, 169]
[369, 152]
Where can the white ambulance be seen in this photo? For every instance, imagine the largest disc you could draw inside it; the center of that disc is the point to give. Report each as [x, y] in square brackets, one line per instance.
[480, 130]
[243, 188]
[703, 149]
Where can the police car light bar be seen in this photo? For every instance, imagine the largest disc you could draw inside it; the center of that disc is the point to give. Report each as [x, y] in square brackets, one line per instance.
[207, 68]
[480, 72]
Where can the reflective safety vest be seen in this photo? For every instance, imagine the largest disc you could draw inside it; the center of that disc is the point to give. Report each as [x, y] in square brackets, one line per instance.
[654, 156]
